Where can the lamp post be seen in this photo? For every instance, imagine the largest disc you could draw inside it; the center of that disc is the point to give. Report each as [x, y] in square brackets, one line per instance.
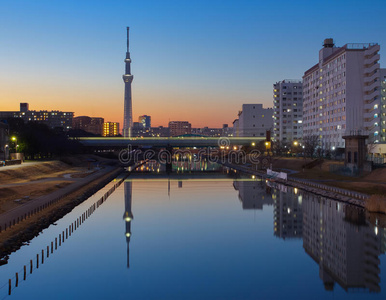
[14, 138]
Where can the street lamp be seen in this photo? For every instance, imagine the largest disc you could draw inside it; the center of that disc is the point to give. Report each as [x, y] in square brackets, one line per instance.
[14, 138]
[296, 143]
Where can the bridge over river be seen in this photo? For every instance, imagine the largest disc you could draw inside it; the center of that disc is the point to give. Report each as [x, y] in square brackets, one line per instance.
[162, 142]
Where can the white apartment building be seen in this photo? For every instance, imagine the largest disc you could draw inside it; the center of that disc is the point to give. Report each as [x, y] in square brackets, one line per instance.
[342, 94]
[254, 120]
[288, 110]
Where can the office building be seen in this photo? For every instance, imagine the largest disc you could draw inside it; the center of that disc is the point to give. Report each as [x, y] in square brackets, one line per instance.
[145, 120]
[253, 120]
[53, 118]
[288, 111]
[342, 94]
[179, 128]
[88, 124]
[110, 129]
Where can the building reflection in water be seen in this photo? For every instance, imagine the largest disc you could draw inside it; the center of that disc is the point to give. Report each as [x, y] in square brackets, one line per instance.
[345, 247]
[287, 212]
[128, 216]
[335, 235]
[253, 194]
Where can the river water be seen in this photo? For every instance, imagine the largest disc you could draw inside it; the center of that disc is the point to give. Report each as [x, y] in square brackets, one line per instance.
[204, 235]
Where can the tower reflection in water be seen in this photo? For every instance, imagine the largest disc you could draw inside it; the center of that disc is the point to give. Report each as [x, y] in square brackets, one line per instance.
[335, 235]
[128, 216]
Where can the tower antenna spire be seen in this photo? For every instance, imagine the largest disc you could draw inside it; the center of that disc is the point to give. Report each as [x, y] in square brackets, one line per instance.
[128, 38]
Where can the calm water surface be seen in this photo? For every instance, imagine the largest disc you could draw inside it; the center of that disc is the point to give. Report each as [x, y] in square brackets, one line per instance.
[205, 236]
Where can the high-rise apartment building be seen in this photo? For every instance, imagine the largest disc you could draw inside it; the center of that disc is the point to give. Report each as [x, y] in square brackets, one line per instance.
[110, 129]
[342, 94]
[288, 110]
[179, 128]
[254, 120]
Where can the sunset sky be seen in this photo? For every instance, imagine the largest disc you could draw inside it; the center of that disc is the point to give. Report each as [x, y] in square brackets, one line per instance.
[192, 60]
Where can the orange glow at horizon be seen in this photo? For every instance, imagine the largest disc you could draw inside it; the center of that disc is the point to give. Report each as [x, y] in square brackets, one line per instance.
[108, 104]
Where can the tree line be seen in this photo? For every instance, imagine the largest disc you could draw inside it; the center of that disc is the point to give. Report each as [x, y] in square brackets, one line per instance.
[37, 140]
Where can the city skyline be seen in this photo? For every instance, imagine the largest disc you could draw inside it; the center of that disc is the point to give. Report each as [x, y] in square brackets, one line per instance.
[198, 62]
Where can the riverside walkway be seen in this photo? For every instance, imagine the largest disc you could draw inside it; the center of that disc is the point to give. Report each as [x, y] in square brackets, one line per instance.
[26, 210]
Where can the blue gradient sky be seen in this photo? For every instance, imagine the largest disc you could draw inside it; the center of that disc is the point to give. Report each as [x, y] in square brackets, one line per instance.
[192, 60]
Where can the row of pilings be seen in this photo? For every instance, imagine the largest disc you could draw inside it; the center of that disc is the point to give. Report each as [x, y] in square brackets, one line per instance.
[45, 253]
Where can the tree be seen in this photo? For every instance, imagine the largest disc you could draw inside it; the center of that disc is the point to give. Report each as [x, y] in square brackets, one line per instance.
[311, 143]
[279, 148]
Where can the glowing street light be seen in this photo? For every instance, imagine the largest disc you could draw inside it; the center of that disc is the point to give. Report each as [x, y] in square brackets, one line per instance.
[14, 138]
[296, 143]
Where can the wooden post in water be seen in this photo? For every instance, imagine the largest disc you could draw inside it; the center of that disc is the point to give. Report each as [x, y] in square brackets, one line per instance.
[9, 286]
[17, 279]
[48, 251]
[31, 266]
[63, 235]
[42, 256]
[25, 272]
[37, 261]
[60, 241]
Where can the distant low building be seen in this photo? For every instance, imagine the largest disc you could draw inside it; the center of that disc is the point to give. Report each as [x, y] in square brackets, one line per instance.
[254, 120]
[206, 131]
[138, 130]
[145, 121]
[180, 128]
[110, 129]
[159, 131]
[52, 119]
[88, 124]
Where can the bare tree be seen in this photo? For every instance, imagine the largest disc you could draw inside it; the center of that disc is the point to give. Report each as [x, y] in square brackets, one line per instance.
[279, 148]
[311, 143]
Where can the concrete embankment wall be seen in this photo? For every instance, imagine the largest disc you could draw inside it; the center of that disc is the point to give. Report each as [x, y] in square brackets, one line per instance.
[335, 193]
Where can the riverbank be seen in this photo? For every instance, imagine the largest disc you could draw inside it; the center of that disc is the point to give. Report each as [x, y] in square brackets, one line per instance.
[24, 183]
[16, 236]
[35, 194]
[321, 182]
